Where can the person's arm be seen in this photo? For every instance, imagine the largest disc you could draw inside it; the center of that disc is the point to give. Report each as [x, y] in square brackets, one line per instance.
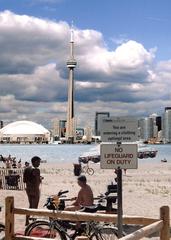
[78, 199]
[73, 198]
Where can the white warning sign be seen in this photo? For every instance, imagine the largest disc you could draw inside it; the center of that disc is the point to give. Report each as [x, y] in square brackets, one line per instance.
[113, 156]
[119, 129]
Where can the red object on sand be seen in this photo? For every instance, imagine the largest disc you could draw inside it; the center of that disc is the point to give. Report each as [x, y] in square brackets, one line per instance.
[39, 232]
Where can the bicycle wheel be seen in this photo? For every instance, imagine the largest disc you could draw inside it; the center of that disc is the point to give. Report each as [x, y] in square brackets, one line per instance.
[44, 229]
[2, 231]
[90, 171]
[29, 226]
[105, 233]
[2, 227]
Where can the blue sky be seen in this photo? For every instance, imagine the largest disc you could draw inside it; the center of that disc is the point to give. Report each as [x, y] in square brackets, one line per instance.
[147, 21]
[122, 48]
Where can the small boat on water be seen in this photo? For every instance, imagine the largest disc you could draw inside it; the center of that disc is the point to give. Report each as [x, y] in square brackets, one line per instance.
[147, 154]
[86, 159]
[164, 160]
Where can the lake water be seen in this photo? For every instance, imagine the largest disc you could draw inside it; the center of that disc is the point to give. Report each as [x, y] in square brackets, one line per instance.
[69, 153]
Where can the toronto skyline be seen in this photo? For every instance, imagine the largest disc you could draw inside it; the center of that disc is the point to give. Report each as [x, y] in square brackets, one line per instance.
[122, 49]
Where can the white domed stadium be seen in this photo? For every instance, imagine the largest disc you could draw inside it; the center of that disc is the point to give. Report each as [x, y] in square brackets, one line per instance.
[24, 132]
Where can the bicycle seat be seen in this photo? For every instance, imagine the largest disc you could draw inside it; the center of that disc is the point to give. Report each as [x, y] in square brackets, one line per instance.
[90, 209]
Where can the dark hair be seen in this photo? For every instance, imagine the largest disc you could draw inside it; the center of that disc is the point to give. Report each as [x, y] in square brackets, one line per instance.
[35, 158]
[82, 178]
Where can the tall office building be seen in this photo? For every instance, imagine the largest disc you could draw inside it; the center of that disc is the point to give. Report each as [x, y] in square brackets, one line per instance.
[155, 126]
[167, 125]
[150, 127]
[98, 117]
[62, 128]
[59, 128]
[167, 108]
[147, 127]
[88, 134]
[159, 123]
[1, 124]
[55, 127]
[71, 64]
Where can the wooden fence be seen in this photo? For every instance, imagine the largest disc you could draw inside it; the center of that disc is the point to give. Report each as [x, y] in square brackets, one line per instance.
[12, 179]
[161, 225]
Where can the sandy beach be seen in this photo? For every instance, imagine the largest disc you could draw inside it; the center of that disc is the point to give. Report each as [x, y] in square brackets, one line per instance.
[145, 189]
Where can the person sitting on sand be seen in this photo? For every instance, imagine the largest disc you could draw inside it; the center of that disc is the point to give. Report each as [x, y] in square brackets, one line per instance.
[8, 163]
[32, 179]
[14, 164]
[85, 195]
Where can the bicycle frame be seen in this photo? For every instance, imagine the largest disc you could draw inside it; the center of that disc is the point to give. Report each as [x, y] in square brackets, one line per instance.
[87, 169]
[88, 228]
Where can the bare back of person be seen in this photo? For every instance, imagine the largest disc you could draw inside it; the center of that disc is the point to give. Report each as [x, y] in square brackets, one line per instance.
[85, 196]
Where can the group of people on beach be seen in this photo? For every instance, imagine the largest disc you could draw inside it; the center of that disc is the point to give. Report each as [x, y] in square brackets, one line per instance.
[11, 162]
[33, 179]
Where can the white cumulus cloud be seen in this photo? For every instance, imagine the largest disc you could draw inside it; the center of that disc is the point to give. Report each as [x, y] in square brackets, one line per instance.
[33, 73]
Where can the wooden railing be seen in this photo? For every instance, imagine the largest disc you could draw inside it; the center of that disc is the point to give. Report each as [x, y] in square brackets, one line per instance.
[161, 225]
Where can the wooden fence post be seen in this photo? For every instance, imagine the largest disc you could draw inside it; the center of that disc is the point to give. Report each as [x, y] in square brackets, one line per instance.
[9, 218]
[165, 216]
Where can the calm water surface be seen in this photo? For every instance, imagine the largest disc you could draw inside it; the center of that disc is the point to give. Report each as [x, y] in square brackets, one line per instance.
[69, 153]
[51, 153]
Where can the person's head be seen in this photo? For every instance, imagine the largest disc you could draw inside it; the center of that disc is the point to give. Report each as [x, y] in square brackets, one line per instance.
[35, 161]
[82, 180]
[27, 164]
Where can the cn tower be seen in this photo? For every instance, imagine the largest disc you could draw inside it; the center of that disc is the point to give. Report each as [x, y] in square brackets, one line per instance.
[71, 64]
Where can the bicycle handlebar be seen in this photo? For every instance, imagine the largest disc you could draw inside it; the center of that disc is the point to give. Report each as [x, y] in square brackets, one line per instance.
[60, 193]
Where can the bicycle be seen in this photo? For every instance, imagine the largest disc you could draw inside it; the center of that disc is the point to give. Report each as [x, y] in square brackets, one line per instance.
[54, 229]
[87, 169]
[60, 229]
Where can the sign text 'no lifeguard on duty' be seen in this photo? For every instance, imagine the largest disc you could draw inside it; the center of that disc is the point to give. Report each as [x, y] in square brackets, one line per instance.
[119, 129]
[123, 156]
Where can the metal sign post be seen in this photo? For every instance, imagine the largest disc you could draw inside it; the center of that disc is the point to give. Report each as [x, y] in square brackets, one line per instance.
[120, 210]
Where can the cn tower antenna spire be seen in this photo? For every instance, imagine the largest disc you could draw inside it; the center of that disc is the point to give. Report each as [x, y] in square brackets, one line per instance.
[72, 42]
[71, 64]
[72, 32]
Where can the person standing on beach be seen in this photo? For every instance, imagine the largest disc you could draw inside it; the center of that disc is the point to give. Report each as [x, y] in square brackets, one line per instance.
[84, 197]
[32, 179]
